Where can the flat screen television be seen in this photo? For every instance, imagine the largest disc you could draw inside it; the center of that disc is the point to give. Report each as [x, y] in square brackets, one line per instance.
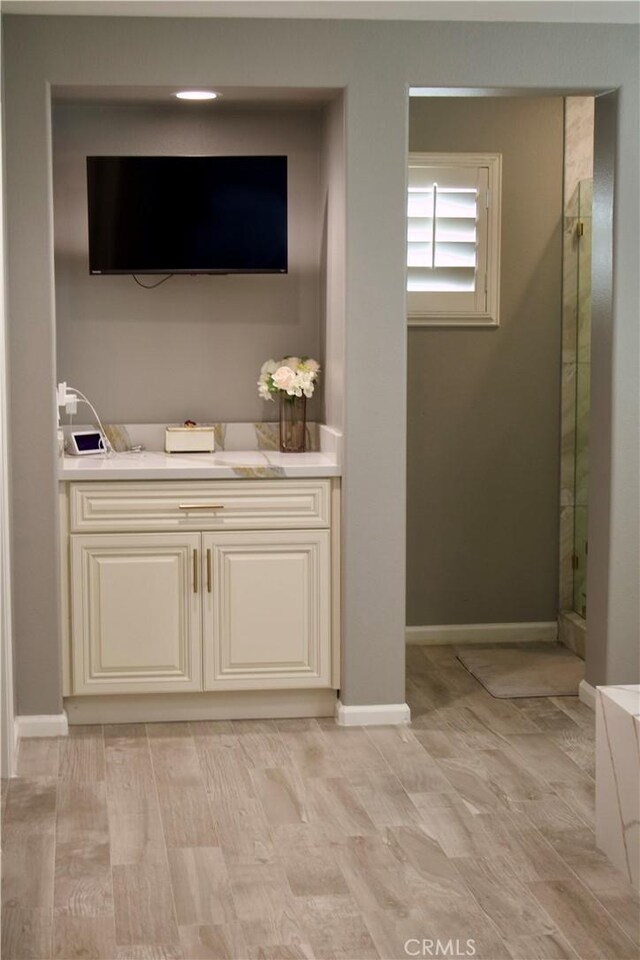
[187, 214]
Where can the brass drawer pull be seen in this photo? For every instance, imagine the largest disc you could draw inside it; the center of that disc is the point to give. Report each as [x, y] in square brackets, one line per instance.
[200, 506]
[208, 571]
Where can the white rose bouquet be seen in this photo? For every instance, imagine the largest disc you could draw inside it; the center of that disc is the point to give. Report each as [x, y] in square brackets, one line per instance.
[294, 376]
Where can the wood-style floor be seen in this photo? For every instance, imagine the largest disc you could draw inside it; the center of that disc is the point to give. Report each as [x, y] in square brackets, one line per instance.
[299, 839]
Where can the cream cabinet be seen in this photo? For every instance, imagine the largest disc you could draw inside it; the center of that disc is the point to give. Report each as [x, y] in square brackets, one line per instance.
[170, 591]
[136, 613]
[266, 612]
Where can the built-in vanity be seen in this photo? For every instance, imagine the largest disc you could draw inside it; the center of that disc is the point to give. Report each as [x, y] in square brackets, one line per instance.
[200, 586]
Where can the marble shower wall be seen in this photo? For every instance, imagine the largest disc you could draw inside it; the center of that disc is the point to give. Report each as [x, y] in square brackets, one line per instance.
[576, 317]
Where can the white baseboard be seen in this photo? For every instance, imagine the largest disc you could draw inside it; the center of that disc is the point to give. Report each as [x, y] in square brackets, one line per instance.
[482, 633]
[47, 725]
[587, 694]
[372, 715]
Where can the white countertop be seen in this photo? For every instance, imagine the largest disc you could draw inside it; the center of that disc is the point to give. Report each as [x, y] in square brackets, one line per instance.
[225, 465]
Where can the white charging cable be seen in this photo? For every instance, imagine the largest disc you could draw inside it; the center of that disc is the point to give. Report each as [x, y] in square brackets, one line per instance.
[70, 394]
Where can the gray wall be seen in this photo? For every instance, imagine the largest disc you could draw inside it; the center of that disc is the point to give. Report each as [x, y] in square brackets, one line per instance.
[569, 57]
[193, 347]
[333, 264]
[484, 404]
[7, 685]
[613, 582]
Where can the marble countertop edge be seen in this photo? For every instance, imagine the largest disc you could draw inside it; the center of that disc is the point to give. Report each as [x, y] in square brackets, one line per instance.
[157, 465]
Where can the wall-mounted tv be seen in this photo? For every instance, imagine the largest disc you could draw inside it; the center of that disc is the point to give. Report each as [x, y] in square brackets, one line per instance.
[187, 214]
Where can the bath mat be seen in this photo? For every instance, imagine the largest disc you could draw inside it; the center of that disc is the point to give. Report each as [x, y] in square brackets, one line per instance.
[524, 669]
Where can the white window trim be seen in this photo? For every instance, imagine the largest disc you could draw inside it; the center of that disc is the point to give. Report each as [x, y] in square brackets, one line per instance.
[417, 316]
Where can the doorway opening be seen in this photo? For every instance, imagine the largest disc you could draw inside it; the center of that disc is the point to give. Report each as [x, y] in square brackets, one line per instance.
[498, 413]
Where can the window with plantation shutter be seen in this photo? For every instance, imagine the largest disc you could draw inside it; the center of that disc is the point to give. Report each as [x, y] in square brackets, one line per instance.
[453, 239]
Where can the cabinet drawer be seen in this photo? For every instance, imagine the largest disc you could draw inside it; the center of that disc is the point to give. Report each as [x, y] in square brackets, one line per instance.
[199, 505]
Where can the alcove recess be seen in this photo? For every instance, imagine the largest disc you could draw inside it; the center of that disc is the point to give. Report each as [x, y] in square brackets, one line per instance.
[194, 346]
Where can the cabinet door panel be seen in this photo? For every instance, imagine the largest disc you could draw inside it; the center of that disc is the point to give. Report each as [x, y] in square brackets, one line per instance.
[267, 615]
[136, 615]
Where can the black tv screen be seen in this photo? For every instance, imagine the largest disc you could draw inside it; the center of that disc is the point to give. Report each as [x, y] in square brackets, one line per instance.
[187, 214]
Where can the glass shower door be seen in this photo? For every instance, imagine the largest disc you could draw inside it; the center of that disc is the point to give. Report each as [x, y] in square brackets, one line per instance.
[583, 371]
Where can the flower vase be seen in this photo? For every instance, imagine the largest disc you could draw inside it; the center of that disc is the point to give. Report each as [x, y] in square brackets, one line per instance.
[293, 423]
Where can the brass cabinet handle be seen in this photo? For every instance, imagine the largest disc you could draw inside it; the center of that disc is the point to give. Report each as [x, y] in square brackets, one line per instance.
[208, 571]
[200, 506]
[195, 571]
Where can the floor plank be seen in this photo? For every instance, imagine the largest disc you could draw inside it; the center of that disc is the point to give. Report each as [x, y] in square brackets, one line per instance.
[26, 933]
[30, 807]
[612, 890]
[129, 775]
[385, 800]
[282, 795]
[580, 797]
[241, 827]
[353, 749]
[213, 942]
[412, 846]
[343, 939]
[546, 760]
[280, 931]
[83, 886]
[314, 872]
[579, 746]
[405, 755]
[505, 900]
[136, 837]
[281, 951]
[223, 764]
[335, 934]
[150, 951]
[498, 716]
[261, 743]
[174, 757]
[27, 871]
[584, 922]
[548, 947]
[261, 891]
[76, 938]
[186, 817]
[335, 804]
[143, 902]
[38, 757]
[310, 753]
[469, 777]
[82, 754]
[512, 777]
[378, 884]
[464, 834]
[201, 886]
[579, 712]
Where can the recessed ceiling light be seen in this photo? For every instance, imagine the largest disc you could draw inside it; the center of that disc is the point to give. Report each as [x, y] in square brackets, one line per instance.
[196, 95]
